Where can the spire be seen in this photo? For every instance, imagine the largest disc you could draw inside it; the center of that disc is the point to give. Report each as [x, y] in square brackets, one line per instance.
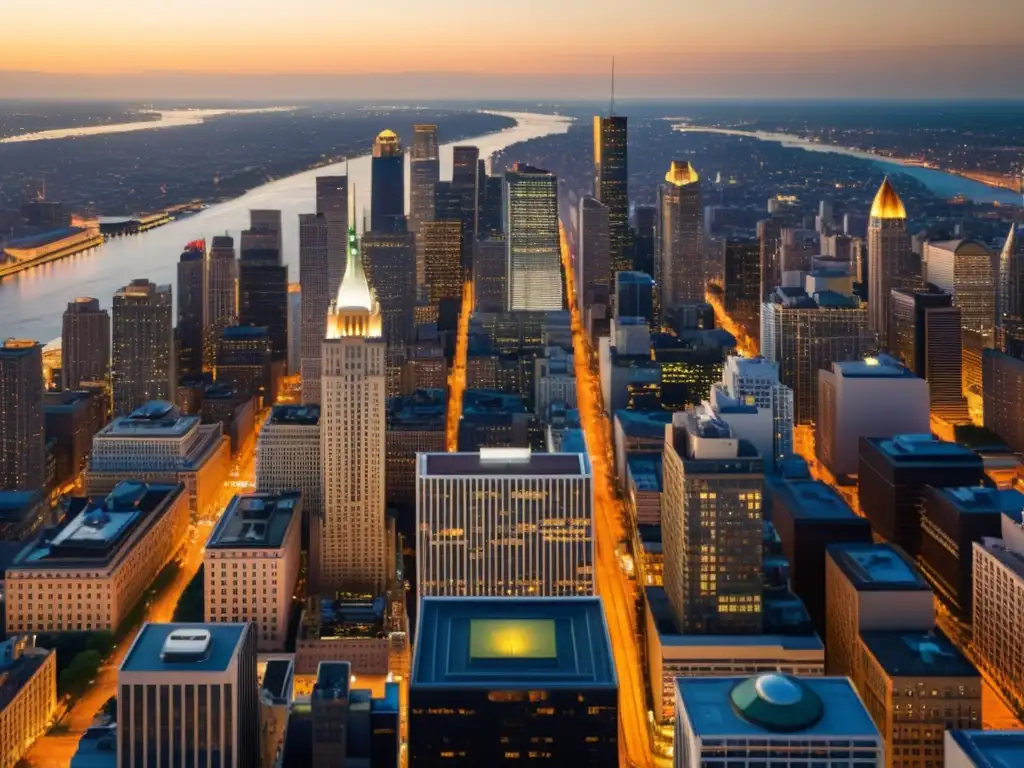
[612, 110]
[681, 173]
[354, 292]
[887, 203]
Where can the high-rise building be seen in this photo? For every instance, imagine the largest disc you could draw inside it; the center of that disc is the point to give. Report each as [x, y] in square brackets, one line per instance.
[711, 519]
[611, 185]
[263, 281]
[964, 270]
[645, 218]
[142, 367]
[743, 283]
[389, 260]
[72, 418]
[593, 266]
[387, 191]
[221, 294]
[490, 288]
[679, 268]
[925, 335]
[492, 211]
[332, 204]
[1003, 385]
[245, 363]
[416, 425]
[85, 343]
[874, 397]
[22, 428]
[1010, 294]
[191, 309]
[754, 381]
[424, 173]
[315, 285]
[773, 719]
[530, 534]
[466, 183]
[634, 296]
[769, 235]
[534, 250]
[268, 222]
[890, 260]
[442, 259]
[496, 678]
[352, 447]
[189, 691]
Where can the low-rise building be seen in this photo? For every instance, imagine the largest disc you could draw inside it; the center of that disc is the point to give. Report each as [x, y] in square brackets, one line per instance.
[87, 573]
[348, 626]
[276, 691]
[28, 696]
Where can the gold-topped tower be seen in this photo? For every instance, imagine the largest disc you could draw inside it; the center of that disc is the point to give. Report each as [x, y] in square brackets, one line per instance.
[887, 204]
[681, 173]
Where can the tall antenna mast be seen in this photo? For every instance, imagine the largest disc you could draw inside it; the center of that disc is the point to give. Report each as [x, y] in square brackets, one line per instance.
[612, 110]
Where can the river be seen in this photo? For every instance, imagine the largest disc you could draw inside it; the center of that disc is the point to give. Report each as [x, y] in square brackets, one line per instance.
[32, 302]
[942, 183]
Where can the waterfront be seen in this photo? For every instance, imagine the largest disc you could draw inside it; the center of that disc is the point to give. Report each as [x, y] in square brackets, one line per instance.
[31, 302]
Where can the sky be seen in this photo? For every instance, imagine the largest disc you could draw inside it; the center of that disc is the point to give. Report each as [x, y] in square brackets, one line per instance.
[512, 48]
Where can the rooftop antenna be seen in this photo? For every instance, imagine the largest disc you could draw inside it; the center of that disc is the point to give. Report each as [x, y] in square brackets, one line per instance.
[612, 110]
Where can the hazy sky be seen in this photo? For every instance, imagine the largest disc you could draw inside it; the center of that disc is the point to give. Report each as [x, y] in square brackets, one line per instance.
[663, 47]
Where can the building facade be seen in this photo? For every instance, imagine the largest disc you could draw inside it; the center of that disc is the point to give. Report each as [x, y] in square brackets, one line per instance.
[1010, 294]
[85, 343]
[611, 185]
[332, 204]
[424, 173]
[1003, 387]
[28, 696]
[387, 190]
[315, 285]
[143, 362]
[221, 294]
[679, 268]
[594, 275]
[534, 252]
[390, 264]
[890, 260]
[191, 301]
[22, 426]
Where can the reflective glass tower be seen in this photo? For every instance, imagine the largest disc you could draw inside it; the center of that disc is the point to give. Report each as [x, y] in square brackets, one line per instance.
[534, 256]
[611, 185]
[387, 190]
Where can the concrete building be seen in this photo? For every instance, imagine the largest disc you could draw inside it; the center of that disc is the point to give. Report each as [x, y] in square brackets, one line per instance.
[424, 173]
[191, 309]
[143, 362]
[332, 204]
[773, 719]
[221, 294]
[983, 749]
[277, 689]
[496, 678]
[348, 626]
[387, 191]
[534, 250]
[1003, 387]
[611, 185]
[1010, 294]
[22, 426]
[873, 397]
[593, 259]
[85, 343]
[642, 431]
[389, 260]
[72, 419]
[710, 475]
[890, 260]
[624, 359]
[171, 668]
[316, 288]
[88, 572]
[28, 696]
[490, 284]
[156, 444]
[755, 380]
[679, 262]
[530, 533]
[415, 424]
[555, 380]
[255, 546]
[965, 270]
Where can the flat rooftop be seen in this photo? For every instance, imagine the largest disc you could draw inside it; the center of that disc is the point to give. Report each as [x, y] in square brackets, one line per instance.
[915, 449]
[877, 567]
[154, 419]
[917, 654]
[145, 653]
[991, 749]
[504, 462]
[643, 423]
[645, 469]
[513, 642]
[808, 499]
[276, 676]
[295, 415]
[13, 504]
[256, 521]
[978, 500]
[881, 367]
[15, 676]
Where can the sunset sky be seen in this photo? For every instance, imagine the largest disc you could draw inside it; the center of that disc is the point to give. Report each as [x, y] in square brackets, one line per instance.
[663, 47]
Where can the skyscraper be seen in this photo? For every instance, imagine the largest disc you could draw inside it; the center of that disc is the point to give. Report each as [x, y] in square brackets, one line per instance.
[424, 173]
[387, 190]
[442, 259]
[466, 182]
[493, 206]
[1010, 295]
[489, 280]
[314, 283]
[593, 259]
[890, 260]
[142, 368]
[769, 235]
[611, 185]
[743, 283]
[534, 249]
[22, 428]
[268, 220]
[85, 343]
[645, 221]
[191, 308]
[389, 260]
[634, 296]
[352, 425]
[680, 257]
[221, 294]
[263, 280]
[1003, 385]
[332, 204]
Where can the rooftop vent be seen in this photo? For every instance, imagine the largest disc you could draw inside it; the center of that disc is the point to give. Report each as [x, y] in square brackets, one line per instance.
[187, 645]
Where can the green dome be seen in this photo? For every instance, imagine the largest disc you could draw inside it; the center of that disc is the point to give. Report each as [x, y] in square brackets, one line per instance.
[777, 702]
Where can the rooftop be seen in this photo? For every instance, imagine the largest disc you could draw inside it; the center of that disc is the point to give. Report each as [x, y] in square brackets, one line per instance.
[877, 567]
[147, 653]
[15, 672]
[514, 642]
[917, 654]
[44, 238]
[991, 749]
[808, 499]
[14, 504]
[97, 748]
[645, 469]
[504, 462]
[157, 418]
[276, 678]
[880, 367]
[257, 521]
[906, 449]
[332, 680]
[295, 415]
[643, 423]
[975, 499]
[425, 408]
[342, 617]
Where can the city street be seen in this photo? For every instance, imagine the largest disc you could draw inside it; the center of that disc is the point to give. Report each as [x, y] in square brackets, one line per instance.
[457, 377]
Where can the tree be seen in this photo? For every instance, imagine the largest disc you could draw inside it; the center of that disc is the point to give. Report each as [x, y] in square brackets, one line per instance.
[80, 673]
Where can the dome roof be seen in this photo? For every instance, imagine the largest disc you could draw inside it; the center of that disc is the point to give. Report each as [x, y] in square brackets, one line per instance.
[681, 173]
[777, 702]
[887, 203]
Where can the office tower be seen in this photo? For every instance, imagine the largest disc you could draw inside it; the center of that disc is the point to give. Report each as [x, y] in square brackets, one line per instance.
[644, 225]
[691, 364]
[244, 363]
[72, 418]
[317, 291]
[191, 309]
[964, 270]
[465, 183]
[352, 423]
[611, 185]
[424, 173]
[773, 719]
[742, 283]
[593, 266]
[389, 260]
[543, 680]
[890, 260]
[387, 191]
[415, 424]
[221, 294]
[85, 343]
[295, 331]
[110, 547]
[925, 334]
[679, 269]
[442, 259]
[263, 283]
[893, 473]
[534, 251]
[769, 236]
[809, 516]
[142, 367]
[804, 331]
[268, 222]
[259, 537]
[447, 202]
[1010, 295]
[332, 204]
[634, 296]
[711, 515]
[1003, 385]
[797, 249]
[874, 397]
[22, 428]
[157, 443]
[198, 682]
[492, 211]
[490, 287]
[530, 534]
